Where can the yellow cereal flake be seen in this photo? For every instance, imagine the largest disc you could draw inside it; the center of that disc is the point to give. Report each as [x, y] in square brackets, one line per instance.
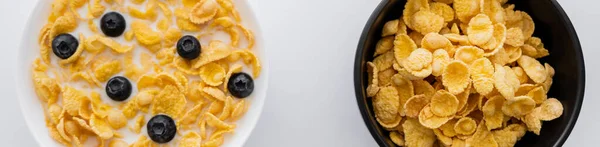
[117, 143]
[169, 101]
[212, 74]
[397, 138]
[443, 10]
[518, 106]
[514, 37]
[404, 88]
[456, 77]
[144, 34]
[424, 21]
[439, 62]
[203, 11]
[172, 35]
[444, 104]
[416, 134]
[414, 105]
[105, 70]
[101, 128]
[423, 87]
[114, 45]
[419, 62]
[434, 41]
[465, 126]
[412, 7]
[191, 139]
[466, 9]
[533, 68]
[480, 29]
[482, 73]
[385, 44]
[492, 112]
[403, 46]
[429, 120]
[216, 50]
[482, 137]
[505, 81]
[550, 109]
[386, 105]
[72, 100]
[116, 119]
[390, 28]
[468, 54]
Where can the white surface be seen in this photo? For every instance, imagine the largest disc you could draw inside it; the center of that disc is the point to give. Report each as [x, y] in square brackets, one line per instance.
[311, 47]
[34, 116]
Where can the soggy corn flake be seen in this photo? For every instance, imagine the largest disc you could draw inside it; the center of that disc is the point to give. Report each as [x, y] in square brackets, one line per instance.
[212, 74]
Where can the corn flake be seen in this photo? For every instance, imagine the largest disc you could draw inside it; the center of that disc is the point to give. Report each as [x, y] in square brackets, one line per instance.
[212, 74]
[169, 101]
[465, 126]
[439, 62]
[428, 119]
[533, 68]
[397, 138]
[492, 112]
[550, 109]
[456, 77]
[482, 73]
[518, 106]
[416, 134]
[480, 29]
[403, 46]
[444, 104]
[386, 105]
[384, 45]
[414, 105]
[424, 21]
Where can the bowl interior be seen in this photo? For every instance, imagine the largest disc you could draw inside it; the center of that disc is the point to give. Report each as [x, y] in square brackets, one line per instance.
[32, 109]
[558, 35]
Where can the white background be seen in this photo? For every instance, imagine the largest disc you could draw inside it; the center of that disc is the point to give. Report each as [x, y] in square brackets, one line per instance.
[311, 45]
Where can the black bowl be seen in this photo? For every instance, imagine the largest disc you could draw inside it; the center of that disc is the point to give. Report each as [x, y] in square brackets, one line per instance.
[551, 24]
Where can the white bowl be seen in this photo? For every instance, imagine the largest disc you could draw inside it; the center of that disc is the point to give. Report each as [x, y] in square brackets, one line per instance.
[32, 109]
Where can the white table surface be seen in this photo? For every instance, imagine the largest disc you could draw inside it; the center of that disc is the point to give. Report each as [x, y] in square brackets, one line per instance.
[311, 45]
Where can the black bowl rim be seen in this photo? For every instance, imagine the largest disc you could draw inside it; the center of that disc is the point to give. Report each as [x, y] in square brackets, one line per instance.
[361, 96]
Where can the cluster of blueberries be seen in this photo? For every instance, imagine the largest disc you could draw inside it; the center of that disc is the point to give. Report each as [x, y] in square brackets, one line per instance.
[161, 128]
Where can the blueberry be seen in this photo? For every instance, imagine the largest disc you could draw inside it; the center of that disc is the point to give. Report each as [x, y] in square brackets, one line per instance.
[118, 88]
[112, 24]
[64, 45]
[240, 85]
[161, 128]
[188, 47]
